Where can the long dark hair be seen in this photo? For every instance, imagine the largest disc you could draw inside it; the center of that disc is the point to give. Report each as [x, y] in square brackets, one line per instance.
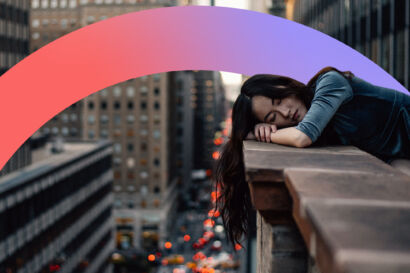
[234, 201]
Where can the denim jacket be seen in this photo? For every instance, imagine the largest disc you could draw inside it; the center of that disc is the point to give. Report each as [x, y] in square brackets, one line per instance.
[373, 118]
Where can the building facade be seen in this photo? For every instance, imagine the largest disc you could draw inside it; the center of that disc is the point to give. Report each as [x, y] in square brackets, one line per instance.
[133, 114]
[14, 46]
[379, 29]
[209, 111]
[56, 213]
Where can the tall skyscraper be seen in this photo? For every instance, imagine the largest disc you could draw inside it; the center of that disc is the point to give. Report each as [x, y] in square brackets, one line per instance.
[137, 115]
[377, 29]
[56, 213]
[209, 111]
[14, 46]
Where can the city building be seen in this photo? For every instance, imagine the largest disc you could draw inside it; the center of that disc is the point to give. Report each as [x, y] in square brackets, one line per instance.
[56, 214]
[137, 115]
[14, 46]
[209, 105]
[377, 29]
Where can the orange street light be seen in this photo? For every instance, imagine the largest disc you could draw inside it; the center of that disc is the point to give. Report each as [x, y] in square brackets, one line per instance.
[187, 238]
[168, 245]
[151, 257]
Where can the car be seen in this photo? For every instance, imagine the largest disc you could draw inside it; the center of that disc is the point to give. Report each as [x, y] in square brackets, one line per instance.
[174, 259]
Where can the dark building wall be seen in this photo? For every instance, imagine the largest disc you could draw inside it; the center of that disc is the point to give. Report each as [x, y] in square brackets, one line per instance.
[209, 112]
[378, 29]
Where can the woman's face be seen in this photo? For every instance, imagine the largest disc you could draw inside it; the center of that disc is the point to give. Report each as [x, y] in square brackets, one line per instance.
[284, 112]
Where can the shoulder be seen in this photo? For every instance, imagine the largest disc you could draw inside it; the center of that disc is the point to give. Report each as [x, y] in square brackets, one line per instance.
[331, 77]
[335, 83]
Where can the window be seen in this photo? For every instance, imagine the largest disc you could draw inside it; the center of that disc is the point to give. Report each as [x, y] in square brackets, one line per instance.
[117, 188]
[130, 147]
[83, 2]
[143, 162]
[117, 91]
[143, 132]
[143, 105]
[156, 134]
[104, 133]
[156, 162]
[157, 77]
[73, 131]
[91, 134]
[98, 1]
[104, 119]
[64, 118]
[156, 105]
[143, 90]
[156, 91]
[35, 4]
[54, 130]
[130, 133]
[117, 105]
[117, 119]
[117, 161]
[91, 119]
[144, 118]
[36, 35]
[144, 175]
[130, 162]
[157, 189]
[91, 105]
[64, 131]
[35, 23]
[63, 3]
[90, 19]
[64, 23]
[130, 118]
[117, 148]
[144, 146]
[44, 4]
[45, 22]
[130, 105]
[73, 3]
[103, 105]
[53, 4]
[130, 91]
[73, 117]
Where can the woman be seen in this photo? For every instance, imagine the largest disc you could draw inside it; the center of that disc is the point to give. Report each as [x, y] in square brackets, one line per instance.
[333, 108]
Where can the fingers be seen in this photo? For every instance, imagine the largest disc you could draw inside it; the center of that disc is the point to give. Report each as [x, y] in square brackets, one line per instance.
[273, 128]
[262, 133]
[267, 133]
[256, 133]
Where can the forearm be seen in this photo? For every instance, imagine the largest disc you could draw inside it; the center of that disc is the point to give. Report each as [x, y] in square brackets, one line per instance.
[290, 137]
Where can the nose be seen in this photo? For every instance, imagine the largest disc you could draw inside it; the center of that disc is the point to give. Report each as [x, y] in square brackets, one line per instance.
[284, 111]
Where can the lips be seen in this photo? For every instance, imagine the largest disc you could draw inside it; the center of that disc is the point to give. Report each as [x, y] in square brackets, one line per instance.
[295, 115]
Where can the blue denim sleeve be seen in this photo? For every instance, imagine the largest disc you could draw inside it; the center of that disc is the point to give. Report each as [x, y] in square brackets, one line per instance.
[332, 89]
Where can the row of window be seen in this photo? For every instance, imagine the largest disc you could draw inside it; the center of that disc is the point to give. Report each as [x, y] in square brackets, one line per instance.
[35, 23]
[73, 3]
[117, 105]
[130, 90]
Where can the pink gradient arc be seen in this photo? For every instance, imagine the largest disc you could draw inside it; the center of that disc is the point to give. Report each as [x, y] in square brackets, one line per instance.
[161, 40]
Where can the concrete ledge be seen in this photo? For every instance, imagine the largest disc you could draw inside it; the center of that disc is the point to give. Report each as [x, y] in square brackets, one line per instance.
[352, 209]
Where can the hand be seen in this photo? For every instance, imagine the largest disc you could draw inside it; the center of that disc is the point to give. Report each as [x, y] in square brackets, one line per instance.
[263, 130]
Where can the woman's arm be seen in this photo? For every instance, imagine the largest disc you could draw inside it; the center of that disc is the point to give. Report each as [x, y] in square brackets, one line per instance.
[331, 92]
[291, 137]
